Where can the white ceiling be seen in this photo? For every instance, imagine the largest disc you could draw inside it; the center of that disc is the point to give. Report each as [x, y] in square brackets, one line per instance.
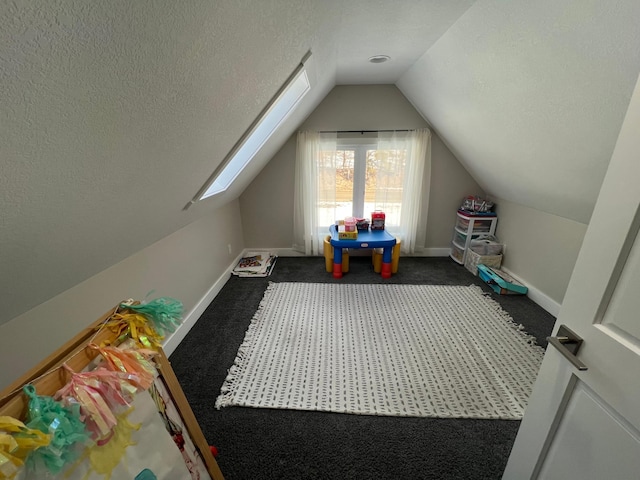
[403, 30]
[530, 96]
[115, 113]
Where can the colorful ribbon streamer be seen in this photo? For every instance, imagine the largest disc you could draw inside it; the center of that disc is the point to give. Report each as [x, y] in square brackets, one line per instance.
[63, 424]
[164, 312]
[17, 441]
[136, 363]
[98, 393]
[137, 327]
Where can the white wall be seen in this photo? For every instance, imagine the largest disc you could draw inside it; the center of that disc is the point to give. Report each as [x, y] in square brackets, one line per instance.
[450, 183]
[541, 249]
[184, 265]
[267, 204]
[530, 96]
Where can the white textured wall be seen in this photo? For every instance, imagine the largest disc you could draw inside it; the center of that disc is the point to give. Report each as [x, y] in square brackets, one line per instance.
[450, 183]
[183, 265]
[541, 249]
[530, 96]
[267, 204]
[113, 114]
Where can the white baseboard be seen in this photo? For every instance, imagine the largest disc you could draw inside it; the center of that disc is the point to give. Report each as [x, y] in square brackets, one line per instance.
[433, 252]
[280, 252]
[172, 342]
[289, 252]
[537, 296]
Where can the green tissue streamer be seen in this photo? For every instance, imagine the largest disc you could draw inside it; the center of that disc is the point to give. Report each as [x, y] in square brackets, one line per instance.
[165, 313]
[68, 433]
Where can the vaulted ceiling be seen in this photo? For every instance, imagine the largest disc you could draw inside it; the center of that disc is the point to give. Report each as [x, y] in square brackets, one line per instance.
[115, 113]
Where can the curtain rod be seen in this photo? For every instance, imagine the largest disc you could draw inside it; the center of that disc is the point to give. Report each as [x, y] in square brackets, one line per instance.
[364, 131]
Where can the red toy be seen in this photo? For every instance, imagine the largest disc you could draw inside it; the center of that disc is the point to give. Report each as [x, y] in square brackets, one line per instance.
[377, 220]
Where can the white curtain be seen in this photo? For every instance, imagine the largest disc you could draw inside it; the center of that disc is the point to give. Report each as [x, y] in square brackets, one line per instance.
[315, 169]
[415, 189]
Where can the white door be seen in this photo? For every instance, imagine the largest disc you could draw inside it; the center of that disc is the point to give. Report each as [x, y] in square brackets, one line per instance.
[586, 424]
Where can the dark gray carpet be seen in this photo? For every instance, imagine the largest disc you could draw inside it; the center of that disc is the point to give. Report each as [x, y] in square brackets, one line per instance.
[283, 444]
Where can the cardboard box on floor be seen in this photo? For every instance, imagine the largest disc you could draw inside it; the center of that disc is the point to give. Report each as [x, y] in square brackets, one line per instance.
[501, 282]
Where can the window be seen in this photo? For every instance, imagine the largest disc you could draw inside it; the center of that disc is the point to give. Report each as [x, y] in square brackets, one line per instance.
[366, 178]
[336, 178]
[283, 103]
[267, 124]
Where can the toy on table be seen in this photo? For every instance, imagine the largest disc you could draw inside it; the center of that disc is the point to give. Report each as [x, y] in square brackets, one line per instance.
[377, 220]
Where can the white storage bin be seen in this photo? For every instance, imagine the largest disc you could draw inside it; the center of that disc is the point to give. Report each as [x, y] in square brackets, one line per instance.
[486, 246]
[457, 253]
[473, 259]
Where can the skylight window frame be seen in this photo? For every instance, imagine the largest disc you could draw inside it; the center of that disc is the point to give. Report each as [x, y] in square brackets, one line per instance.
[249, 145]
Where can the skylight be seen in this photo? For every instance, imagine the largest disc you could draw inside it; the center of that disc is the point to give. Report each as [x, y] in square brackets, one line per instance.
[253, 140]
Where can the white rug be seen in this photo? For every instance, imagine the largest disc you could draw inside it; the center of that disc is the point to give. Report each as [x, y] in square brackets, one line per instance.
[405, 350]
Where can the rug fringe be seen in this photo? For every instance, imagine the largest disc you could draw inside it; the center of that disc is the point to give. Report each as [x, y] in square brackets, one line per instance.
[407, 373]
[235, 372]
[503, 315]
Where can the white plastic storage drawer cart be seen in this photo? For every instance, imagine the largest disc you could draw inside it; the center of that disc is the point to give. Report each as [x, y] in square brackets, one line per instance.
[470, 226]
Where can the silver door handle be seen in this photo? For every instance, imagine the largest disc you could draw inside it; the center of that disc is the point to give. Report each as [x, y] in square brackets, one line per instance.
[568, 343]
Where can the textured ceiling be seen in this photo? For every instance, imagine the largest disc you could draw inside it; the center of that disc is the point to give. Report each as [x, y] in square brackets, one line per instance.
[530, 96]
[115, 113]
[404, 30]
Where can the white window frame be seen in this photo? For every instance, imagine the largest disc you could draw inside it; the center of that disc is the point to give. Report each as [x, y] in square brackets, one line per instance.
[359, 148]
[277, 111]
[261, 132]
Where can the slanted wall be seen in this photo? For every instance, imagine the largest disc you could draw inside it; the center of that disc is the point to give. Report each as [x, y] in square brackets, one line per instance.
[183, 265]
[267, 204]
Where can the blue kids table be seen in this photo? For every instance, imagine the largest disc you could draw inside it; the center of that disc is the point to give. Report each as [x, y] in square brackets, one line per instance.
[366, 239]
